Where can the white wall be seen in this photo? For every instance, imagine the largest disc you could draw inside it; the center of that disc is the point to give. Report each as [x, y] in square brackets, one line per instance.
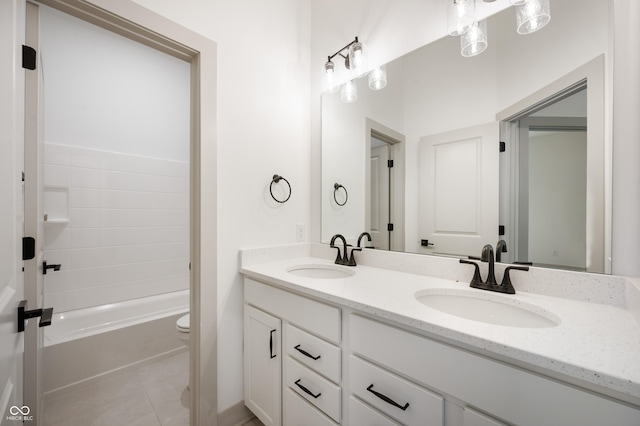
[104, 91]
[263, 117]
[557, 198]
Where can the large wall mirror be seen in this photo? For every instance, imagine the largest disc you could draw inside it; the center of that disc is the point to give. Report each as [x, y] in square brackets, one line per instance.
[439, 124]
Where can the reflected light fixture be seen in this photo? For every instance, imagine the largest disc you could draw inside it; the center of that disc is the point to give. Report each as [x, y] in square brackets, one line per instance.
[378, 78]
[474, 41]
[532, 15]
[355, 57]
[461, 14]
[349, 92]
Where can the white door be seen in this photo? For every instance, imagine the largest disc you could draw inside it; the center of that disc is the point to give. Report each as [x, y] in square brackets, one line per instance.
[262, 365]
[12, 18]
[458, 206]
[33, 218]
[379, 197]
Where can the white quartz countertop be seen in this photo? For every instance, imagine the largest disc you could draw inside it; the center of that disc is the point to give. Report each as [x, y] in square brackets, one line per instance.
[595, 345]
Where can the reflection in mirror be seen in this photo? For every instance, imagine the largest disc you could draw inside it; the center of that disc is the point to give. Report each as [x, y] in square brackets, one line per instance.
[447, 110]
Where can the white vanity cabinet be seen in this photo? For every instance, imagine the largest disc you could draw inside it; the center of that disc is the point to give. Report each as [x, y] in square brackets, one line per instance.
[308, 353]
[489, 392]
[309, 363]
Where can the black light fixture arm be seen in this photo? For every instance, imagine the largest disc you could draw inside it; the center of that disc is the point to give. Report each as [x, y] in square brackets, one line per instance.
[339, 52]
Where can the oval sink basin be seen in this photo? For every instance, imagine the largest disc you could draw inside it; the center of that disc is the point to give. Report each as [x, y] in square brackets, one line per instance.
[488, 308]
[321, 271]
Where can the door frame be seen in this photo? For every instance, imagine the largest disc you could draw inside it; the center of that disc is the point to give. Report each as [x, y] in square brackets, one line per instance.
[396, 143]
[133, 21]
[599, 158]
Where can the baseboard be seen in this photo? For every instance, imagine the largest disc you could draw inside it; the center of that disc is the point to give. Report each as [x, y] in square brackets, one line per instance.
[236, 415]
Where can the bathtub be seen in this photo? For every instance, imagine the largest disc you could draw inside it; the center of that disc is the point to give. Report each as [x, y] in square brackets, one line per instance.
[86, 345]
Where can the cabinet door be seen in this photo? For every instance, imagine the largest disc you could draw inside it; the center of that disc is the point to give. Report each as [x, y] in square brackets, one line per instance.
[262, 365]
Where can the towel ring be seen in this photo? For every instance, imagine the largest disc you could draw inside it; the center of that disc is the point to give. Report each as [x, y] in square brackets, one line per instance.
[337, 186]
[277, 179]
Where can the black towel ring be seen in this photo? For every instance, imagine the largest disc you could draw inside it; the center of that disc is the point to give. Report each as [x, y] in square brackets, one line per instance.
[277, 179]
[337, 186]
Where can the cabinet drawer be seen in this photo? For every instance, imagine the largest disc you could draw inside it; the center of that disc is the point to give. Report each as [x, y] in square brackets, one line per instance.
[313, 352]
[361, 414]
[471, 417]
[313, 387]
[320, 319]
[393, 395]
[298, 412]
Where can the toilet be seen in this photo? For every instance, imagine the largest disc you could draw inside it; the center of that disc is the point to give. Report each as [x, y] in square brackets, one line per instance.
[182, 329]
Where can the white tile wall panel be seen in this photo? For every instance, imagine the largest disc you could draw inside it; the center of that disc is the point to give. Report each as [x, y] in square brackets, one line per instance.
[85, 238]
[147, 235]
[119, 218]
[57, 237]
[96, 296]
[57, 176]
[84, 178]
[114, 199]
[57, 154]
[142, 182]
[84, 218]
[84, 197]
[128, 227]
[137, 164]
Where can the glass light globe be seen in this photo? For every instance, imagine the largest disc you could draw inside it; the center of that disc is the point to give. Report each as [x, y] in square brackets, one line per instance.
[378, 78]
[460, 16]
[532, 16]
[474, 41]
[349, 92]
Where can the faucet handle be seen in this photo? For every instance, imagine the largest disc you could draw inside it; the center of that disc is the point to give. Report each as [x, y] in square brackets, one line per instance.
[506, 286]
[339, 260]
[476, 281]
[352, 259]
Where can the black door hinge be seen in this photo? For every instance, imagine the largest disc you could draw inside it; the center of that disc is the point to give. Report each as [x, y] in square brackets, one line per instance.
[503, 146]
[28, 57]
[389, 227]
[23, 176]
[28, 248]
[501, 230]
[389, 163]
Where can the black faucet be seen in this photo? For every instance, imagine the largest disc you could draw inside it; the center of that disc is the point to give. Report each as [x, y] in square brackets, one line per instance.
[501, 247]
[340, 259]
[490, 284]
[364, 234]
[487, 256]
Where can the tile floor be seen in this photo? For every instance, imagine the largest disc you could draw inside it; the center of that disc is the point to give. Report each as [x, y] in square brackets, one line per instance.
[152, 395]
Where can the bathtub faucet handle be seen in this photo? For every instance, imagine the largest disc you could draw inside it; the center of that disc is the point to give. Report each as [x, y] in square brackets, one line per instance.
[55, 267]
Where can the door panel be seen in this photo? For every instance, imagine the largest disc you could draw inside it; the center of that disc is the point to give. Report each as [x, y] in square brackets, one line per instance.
[11, 209]
[459, 190]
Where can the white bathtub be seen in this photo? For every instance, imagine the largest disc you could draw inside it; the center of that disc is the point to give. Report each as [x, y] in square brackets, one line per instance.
[86, 344]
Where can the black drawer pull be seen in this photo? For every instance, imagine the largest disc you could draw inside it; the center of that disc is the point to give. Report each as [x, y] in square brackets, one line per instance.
[271, 344]
[387, 399]
[305, 353]
[297, 382]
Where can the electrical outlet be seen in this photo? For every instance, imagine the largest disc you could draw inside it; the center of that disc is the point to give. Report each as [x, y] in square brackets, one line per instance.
[300, 234]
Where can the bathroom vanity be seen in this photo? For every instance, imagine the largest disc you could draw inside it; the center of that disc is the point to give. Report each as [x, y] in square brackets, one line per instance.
[328, 345]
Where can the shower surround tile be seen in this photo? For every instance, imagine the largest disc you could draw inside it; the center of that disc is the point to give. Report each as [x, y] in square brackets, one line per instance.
[127, 214]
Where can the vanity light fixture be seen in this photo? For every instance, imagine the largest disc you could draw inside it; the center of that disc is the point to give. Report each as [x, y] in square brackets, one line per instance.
[474, 41]
[532, 15]
[461, 14]
[356, 62]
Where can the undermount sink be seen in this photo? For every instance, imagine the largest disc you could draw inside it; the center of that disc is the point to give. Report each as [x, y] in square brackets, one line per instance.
[488, 308]
[321, 271]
